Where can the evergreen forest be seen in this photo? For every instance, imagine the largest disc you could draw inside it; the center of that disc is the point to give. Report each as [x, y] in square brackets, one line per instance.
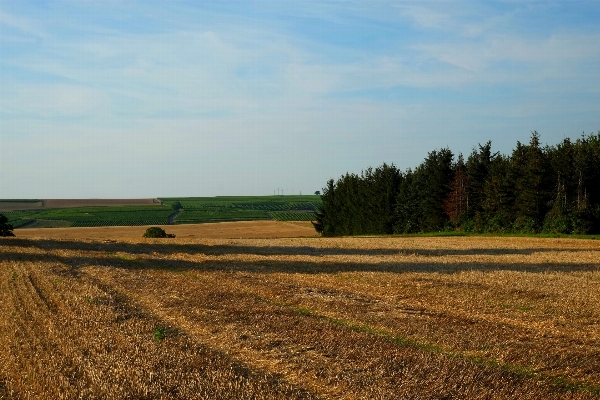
[536, 189]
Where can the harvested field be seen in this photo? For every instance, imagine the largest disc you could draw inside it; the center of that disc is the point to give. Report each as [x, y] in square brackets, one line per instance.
[66, 203]
[223, 230]
[339, 318]
[19, 205]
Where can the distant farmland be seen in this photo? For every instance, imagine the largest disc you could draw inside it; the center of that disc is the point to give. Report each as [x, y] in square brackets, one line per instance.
[28, 204]
[138, 212]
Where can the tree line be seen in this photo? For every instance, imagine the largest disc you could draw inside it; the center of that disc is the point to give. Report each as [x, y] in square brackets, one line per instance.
[553, 189]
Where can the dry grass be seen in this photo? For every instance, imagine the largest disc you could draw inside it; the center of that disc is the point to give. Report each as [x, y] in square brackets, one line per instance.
[221, 230]
[348, 318]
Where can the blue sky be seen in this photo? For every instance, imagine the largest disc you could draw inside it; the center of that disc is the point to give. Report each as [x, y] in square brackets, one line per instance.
[120, 99]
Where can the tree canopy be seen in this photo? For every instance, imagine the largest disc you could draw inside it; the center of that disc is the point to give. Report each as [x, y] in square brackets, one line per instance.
[535, 189]
[157, 232]
[6, 229]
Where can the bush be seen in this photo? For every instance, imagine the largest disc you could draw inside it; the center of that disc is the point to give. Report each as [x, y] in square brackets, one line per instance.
[156, 232]
[5, 227]
[526, 225]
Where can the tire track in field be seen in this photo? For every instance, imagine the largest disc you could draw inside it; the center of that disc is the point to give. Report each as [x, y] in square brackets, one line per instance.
[32, 328]
[323, 355]
[216, 338]
[272, 381]
[171, 218]
[87, 339]
[534, 348]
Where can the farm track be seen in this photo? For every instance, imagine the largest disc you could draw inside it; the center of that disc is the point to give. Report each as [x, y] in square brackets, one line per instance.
[171, 217]
[301, 318]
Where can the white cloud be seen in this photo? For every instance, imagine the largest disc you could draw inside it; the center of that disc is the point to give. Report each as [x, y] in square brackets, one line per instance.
[22, 25]
[428, 16]
[220, 98]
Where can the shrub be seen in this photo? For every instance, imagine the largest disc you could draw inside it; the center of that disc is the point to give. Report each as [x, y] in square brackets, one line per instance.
[6, 229]
[524, 224]
[161, 332]
[156, 232]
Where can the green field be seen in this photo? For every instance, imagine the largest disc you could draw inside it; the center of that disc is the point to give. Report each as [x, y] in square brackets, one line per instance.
[90, 216]
[195, 210]
[245, 208]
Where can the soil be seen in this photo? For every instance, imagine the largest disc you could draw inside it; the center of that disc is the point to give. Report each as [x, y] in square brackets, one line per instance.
[221, 230]
[65, 203]
[19, 205]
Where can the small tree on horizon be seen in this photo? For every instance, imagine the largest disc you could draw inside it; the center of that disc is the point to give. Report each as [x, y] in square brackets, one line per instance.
[6, 229]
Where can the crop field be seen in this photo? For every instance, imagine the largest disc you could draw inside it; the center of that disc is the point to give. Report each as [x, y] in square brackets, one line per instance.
[90, 216]
[293, 215]
[140, 212]
[300, 318]
[266, 203]
[27, 204]
[245, 208]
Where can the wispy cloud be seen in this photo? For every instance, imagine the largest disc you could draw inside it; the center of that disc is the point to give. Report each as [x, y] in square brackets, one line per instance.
[297, 92]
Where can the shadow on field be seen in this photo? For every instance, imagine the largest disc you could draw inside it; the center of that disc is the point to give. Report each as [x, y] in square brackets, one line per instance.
[108, 254]
[164, 247]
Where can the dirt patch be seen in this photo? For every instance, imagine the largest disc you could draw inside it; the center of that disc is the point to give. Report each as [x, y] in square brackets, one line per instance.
[222, 230]
[19, 205]
[66, 203]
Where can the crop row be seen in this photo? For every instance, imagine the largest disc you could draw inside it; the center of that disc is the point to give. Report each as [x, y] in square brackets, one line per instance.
[216, 219]
[235, 214]
[265, 203]
[115, 222]
[293, 216]
[296, 206]
[90, 214]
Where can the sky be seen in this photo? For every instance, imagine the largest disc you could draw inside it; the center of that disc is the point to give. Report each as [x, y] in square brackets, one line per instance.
[153, 98]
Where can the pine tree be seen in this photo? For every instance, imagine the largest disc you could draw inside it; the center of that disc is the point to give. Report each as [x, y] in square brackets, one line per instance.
[498, 197]
[530, 173]
[457, 202]
[478, 166]
[323, 224]
[383, 192]
[407, 205]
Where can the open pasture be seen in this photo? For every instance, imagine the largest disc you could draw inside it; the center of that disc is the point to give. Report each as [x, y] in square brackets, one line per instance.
[330, 318]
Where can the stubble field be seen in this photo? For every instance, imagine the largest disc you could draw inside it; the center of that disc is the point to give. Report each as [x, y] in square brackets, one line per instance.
[340, 318]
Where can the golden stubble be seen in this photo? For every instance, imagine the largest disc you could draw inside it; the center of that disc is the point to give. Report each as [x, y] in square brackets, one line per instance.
[300, 318]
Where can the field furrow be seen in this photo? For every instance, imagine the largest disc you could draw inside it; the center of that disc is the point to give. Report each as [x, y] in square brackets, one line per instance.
[481, 318]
